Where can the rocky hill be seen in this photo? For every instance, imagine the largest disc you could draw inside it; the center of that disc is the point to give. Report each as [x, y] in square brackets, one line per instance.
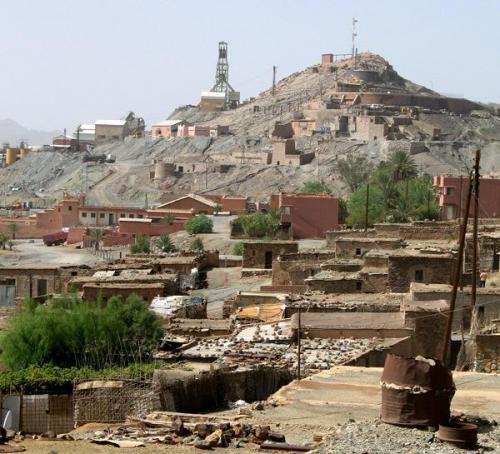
[224, 164]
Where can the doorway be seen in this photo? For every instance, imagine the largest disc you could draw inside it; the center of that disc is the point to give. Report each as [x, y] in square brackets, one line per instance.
[111, 219]
[268, 260]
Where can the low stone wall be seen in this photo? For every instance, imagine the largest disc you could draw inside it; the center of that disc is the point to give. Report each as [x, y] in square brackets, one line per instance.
[193, 392]
[488, 353]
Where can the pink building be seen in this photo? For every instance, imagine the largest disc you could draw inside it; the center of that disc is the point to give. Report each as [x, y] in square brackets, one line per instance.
[167, 128]
[307, 215]
[199, 130]
[453, 195]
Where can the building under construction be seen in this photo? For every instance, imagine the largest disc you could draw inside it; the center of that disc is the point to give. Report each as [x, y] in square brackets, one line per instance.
[221, 95]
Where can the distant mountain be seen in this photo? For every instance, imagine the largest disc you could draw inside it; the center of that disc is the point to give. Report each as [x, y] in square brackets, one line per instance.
[12, 132]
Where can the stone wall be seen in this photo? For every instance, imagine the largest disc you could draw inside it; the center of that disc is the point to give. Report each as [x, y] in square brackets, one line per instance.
[254, 253]
[487, 353]
[292, 269]
[332, 235]
[357, 247]
[404, 269]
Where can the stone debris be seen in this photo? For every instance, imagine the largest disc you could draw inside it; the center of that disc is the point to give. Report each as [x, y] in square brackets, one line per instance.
[376, 437]
[174, 431]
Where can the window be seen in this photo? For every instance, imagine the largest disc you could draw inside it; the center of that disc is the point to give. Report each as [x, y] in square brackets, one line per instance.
[358, 251]
[131, 216]
[122, 215]
[419, 275]
[101, 215]
[92, 215]
[285, 210]
[449, 191]
[359, 285]
[84, 214]
[74, 273]
[41, 287]
[70, 208]
[140, 216]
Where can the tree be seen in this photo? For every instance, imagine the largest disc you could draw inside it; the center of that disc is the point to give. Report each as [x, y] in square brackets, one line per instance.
[403, 166]
[260, 225]
[13, 227]
[356, 207]
[165, 243]
[69, 332]
[218, 208]
[96, 235]
[355, 172]
[3, 240]
[141, 245]
[315, 187]
[197, 245]
[168, 219]
[199, 224]
[238, 248]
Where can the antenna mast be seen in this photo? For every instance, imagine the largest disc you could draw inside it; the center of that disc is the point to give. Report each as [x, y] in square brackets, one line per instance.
[354, 34]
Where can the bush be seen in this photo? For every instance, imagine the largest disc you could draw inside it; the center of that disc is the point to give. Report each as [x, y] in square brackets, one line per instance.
[197, 245]
[199, 224]
[165, 243]
[141, 245]
[238, 248]
[168, 219]
[68, 332]
[315, 187]
[259, 225]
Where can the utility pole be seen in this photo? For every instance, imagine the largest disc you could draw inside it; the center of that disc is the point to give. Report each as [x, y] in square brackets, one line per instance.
[78, 137]
[461, 197]
[274, 79]
[367, 204]
[354, 34]
[298, 343]
[458, 273]
[474, 244]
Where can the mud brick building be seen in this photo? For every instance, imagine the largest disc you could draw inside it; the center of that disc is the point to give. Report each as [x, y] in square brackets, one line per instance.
[106, 290]
[35, 280]
[348, 282]
[262, 254]
[406, 267]
[346, 247]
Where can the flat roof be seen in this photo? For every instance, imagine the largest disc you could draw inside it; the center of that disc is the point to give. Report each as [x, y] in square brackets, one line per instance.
[350, 320]
[111, 122]
[168, 122]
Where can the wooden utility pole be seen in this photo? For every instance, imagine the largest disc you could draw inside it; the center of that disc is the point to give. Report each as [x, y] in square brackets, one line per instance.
[367, 205]
[458, 273]
[474, 243]
[298, 343]
[274, 79]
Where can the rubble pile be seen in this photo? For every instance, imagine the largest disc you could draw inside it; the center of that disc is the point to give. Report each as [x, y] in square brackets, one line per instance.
[184, 429]
[376, 438]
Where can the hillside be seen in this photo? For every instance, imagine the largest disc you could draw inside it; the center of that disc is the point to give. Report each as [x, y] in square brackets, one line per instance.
[127, 181]
[12, 132]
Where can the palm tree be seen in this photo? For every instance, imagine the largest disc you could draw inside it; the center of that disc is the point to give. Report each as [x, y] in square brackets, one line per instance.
[165, 244]
[13, 230]
[403, 166]
[96, 235]
[169, 219]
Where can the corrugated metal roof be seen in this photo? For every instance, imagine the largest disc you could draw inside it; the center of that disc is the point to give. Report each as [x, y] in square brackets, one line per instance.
[111, 122]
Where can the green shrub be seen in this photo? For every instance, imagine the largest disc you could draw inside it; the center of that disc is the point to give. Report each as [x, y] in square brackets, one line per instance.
[238, 248]
[197, 245]
[315, 187]
[68, 332]
[165, 243]
[259, 225]
[199, 224]
[168, 219]
[141, 245]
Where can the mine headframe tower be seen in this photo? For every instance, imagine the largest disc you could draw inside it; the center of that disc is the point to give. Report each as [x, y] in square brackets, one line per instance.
[222, 84]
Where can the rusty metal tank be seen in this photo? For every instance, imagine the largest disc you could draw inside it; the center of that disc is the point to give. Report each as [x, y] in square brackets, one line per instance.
[10, 156]
[416, 392]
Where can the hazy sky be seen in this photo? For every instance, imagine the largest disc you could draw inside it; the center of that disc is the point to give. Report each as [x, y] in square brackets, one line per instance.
[64, 62]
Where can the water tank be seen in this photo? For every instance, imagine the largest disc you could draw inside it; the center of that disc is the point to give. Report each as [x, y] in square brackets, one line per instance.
[10, 156]
[163, 170]
[23, 153]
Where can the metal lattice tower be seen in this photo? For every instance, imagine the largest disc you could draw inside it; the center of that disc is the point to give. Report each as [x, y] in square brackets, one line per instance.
[221, 84]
